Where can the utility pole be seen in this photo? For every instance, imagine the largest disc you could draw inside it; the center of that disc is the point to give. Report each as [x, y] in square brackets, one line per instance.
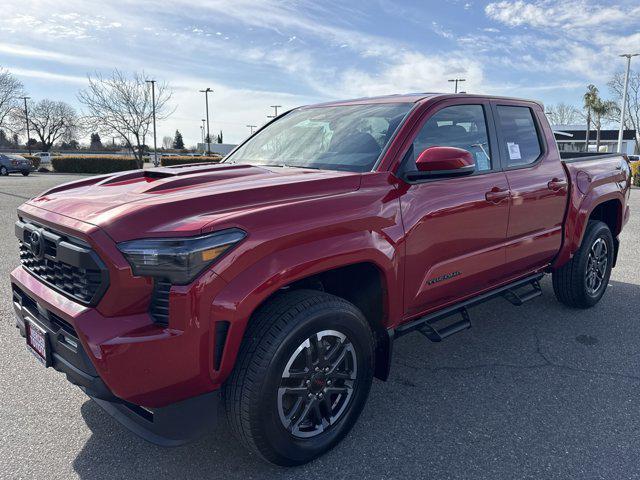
[206, 101]
[456, 80]
[275, 108]
[202, 127]
[153, 102]
[251, 127]
[26, 115]
[624, 97]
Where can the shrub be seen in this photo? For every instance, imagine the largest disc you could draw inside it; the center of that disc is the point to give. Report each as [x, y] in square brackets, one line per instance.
[635, 172]
[168, 161]
[93, 164]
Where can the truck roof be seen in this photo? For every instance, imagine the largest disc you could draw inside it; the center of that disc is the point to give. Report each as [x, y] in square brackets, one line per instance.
[413, 98]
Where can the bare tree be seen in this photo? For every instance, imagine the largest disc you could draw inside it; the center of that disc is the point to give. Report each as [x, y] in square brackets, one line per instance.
[632, 118]
[50, 121]
[167, 142]
[122, 106]
[563, 114]
[10, 92]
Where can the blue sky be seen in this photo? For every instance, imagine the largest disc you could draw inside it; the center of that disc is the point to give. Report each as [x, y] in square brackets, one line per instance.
[256, 53]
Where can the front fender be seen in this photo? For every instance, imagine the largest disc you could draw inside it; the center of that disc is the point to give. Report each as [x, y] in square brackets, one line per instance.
[247, 291]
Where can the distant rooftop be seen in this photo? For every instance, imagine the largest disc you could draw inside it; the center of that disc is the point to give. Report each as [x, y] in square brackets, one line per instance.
[578, 132]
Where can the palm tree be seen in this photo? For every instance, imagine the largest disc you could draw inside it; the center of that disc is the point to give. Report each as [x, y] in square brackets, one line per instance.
[589, 98]
[601, 109]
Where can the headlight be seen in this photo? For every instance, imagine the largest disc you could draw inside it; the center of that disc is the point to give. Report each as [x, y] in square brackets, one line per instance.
[178, 259]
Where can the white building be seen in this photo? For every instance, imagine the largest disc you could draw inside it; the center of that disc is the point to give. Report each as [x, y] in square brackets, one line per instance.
[571, 138]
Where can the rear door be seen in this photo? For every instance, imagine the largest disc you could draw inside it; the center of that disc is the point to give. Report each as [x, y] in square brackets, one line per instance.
[538, 185]
[455, 227]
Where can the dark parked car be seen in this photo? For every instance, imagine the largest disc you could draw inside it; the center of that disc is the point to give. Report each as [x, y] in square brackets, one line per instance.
[14, 164]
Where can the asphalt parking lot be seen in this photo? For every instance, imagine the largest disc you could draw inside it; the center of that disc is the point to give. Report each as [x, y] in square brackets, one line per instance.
[538, 391]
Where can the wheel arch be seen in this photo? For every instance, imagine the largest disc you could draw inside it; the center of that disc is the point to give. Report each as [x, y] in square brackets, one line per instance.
[607, 208]
[363, 283]
[611, 213]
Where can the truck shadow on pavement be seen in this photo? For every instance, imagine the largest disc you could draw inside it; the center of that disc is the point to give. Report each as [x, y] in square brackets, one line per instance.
[539, 390]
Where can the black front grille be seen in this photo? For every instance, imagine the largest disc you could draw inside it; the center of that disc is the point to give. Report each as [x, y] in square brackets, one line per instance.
[27, 304]
[64, 263]
[159, 307]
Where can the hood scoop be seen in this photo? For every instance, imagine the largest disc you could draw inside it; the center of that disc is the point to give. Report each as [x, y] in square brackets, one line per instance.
[177, 180]
[160, 173]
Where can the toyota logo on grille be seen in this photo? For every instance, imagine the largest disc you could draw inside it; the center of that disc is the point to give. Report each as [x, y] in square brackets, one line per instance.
[36, 244]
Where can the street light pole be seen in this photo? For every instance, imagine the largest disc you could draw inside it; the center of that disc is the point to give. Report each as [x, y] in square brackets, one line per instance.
[26, 115]
[456, 80]
[275, 108]
[153, 102]
[624, 97]
[206, 101]
[251, 127]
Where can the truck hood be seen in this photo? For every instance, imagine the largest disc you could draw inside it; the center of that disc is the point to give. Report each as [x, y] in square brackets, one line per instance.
[186, 200]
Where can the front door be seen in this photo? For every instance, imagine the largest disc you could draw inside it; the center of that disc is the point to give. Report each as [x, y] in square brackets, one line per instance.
[456, 227]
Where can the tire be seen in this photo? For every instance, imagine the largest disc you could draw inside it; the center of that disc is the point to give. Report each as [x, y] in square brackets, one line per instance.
[3, 171]
[273, 359]
[25, 173]
[580, 283]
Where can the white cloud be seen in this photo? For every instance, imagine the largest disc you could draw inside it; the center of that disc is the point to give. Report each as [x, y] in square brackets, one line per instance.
[414, 72]
[562, 14]
[46, 75]
[186, 48]
[23, 51]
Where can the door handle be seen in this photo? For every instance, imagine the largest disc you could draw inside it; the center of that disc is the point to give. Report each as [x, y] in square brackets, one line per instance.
[496, 195]
[556, 184]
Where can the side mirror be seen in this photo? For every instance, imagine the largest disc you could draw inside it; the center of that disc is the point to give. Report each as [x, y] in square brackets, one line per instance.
[440, 162]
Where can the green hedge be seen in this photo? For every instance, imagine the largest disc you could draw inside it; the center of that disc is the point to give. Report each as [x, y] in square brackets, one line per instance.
[93, 164]
[185, 160]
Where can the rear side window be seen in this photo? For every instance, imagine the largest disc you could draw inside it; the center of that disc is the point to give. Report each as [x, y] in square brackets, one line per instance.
[461, 126]
[521, 144]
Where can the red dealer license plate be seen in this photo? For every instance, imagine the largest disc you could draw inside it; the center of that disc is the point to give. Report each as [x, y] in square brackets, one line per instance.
[37, 341]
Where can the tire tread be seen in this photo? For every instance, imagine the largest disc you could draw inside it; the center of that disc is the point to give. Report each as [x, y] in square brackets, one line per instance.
[264, 332]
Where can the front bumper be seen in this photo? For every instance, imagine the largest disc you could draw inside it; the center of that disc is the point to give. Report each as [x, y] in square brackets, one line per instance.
[170, 425]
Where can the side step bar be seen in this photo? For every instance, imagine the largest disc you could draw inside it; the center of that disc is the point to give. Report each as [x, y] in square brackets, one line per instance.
[518, 298]
[510, 291]
[429, 331]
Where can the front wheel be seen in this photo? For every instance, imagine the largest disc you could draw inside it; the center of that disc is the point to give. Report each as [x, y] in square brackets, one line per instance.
[25, 173]
[3, 171]
[302, 376]
[582, 281]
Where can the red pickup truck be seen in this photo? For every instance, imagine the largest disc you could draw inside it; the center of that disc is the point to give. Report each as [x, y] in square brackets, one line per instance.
[275, 282]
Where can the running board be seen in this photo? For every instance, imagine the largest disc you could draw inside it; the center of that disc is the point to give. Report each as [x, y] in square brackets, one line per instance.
[425, 324]
[437, 335]
[518, 298]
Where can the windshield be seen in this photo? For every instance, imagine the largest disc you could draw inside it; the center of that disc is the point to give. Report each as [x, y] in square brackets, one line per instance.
[347, 138]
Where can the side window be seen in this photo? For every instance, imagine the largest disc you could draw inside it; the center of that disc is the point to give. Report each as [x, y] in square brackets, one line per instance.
[521, 144]
[461, 126]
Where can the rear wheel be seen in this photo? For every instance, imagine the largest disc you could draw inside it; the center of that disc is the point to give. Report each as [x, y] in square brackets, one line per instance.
[25, 173]
[3, 171]
[302, 376]
[582, 281]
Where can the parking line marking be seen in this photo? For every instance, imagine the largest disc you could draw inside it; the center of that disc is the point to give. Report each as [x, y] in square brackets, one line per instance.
[15, 195]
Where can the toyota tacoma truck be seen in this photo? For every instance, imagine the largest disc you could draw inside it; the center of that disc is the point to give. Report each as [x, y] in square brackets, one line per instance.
[270, 287]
